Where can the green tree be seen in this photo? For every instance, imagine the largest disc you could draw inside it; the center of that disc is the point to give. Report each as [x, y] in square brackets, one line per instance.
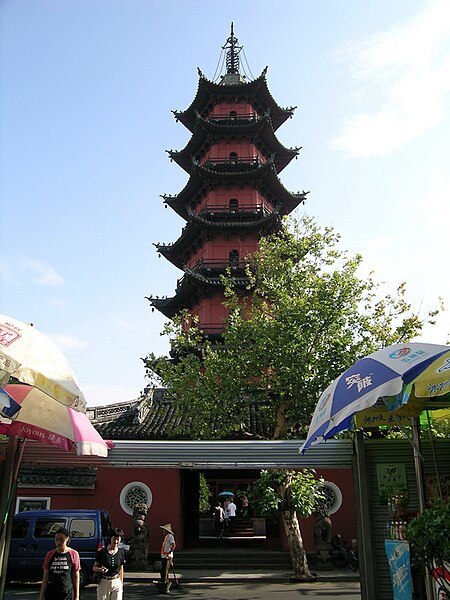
[303, 316]
[291, 494]
[204, 501]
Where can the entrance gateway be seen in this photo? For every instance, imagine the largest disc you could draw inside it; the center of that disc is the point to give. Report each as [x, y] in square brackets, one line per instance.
[170, 470]
[249, 524]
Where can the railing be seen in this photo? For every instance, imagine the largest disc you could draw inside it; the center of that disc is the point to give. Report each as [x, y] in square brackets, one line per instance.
[235, 210]
[215, 267]
[235, 117]
[212, 329]
[238, 164]
[218, 264]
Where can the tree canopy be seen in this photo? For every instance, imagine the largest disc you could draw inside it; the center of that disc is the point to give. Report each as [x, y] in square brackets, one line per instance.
[305, 316]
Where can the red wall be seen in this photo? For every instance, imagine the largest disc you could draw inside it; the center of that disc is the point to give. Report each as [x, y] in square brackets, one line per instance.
[165, 507]
[165, 487]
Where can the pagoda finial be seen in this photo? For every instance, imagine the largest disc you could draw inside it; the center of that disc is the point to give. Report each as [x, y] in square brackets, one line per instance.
[232, 49]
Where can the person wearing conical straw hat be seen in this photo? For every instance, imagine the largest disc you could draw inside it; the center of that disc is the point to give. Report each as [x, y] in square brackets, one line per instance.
[167, 547]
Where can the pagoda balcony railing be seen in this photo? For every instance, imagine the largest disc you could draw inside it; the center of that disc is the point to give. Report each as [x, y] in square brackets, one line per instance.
[211, 329]
[235, 117]
[215, 268]
[238, 164]
[239, 211]
[219, 265]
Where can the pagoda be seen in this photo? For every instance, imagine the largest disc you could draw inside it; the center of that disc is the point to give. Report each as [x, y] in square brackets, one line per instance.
[233, 196]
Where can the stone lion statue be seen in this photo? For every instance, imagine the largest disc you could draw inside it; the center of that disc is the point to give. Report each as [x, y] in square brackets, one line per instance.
[140, 537]
[322, 529]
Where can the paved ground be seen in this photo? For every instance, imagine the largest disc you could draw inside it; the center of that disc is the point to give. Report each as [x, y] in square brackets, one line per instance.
[219, 590]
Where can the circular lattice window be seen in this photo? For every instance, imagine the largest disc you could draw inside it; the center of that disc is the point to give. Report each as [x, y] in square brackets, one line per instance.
[135, 493]
[332, 497]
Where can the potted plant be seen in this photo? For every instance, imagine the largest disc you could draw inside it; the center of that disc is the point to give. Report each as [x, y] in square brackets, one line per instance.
[429, 536]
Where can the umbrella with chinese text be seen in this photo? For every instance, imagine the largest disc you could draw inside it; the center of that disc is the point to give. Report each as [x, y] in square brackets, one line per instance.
[43, 419]
[29, 356]
[403, 378]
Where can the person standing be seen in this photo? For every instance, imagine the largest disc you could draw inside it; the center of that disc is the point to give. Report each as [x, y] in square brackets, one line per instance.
[226, 502]
[109, 563]
[219, 518]
[167, 547]
[231, 510]
[61, 579]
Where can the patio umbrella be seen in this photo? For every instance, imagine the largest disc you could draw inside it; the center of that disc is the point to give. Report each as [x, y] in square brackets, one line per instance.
[404, 378]
[43, 419]
[31, 357]
[397, 381]
[39, 417]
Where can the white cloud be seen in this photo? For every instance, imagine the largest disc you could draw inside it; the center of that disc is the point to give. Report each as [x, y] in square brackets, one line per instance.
[417, 254]
[67, 343]
[407, 75]
[43, 273]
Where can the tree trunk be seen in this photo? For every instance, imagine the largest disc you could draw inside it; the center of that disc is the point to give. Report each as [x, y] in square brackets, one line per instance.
[296, 548]
[280, 419]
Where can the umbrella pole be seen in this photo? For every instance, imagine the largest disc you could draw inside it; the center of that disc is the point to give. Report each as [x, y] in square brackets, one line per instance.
[433, 451]
[418, 464]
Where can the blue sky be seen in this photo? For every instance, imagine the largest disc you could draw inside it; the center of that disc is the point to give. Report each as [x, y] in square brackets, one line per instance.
[85, 117]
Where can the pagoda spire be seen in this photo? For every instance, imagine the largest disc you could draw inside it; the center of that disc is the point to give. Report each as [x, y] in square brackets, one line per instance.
[233, 50]
[232, 60]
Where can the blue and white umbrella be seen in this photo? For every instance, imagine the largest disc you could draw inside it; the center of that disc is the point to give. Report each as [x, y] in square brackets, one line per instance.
[389, 372]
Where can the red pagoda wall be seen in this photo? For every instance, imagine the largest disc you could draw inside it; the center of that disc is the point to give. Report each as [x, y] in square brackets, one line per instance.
[243, 148]
[246, 196]
[220, 248]
[211, 311]
[224, 109]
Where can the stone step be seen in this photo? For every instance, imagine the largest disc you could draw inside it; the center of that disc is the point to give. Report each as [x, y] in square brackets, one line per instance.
[265, 560]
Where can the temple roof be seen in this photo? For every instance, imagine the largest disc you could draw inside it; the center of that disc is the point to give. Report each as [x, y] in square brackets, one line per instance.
[192, 282]
[258, 130]
[153, 417]
[198, 225]
[262, 177]
[254, 92]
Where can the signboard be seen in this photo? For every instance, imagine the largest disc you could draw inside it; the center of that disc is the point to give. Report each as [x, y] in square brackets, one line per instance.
[398, 555]
[391, 481]
[27, 504]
